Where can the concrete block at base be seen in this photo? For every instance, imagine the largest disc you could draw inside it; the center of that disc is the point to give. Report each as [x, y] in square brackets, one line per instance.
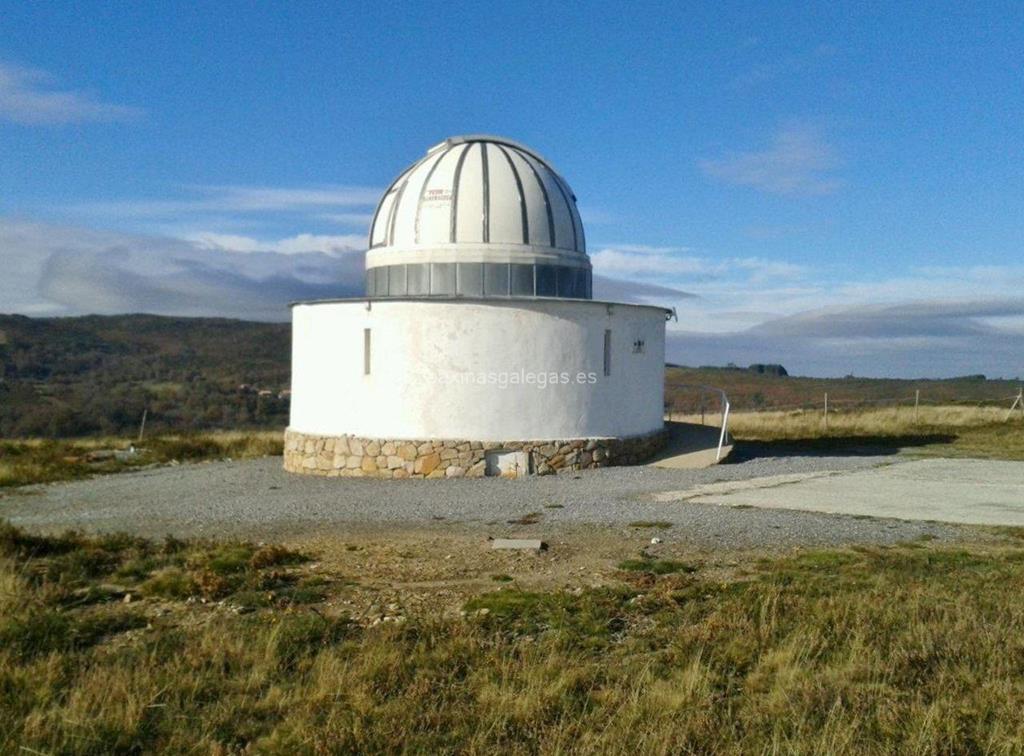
[521, 544]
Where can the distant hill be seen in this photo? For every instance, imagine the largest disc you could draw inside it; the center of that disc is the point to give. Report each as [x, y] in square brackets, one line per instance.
[96, 374]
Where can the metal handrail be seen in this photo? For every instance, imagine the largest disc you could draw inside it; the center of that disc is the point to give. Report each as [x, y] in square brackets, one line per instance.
[723, 399]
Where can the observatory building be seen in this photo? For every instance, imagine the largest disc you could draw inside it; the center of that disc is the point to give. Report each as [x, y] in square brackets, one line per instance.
[478, 348]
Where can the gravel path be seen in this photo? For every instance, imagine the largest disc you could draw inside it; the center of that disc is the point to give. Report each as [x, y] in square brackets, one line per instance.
[256, 499]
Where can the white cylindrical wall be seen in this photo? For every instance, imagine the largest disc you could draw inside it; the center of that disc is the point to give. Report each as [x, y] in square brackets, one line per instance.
[474, 369]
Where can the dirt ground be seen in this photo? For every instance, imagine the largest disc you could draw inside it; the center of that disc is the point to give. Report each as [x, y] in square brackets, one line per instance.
[386, 573]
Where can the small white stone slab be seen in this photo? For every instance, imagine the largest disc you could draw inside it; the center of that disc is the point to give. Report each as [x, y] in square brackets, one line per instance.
[525, 544]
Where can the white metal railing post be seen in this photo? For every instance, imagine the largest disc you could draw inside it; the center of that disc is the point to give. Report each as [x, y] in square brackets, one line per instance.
[725, 424]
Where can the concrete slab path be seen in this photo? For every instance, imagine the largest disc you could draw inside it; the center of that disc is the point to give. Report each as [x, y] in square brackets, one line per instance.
[691, 447]
[969, 491]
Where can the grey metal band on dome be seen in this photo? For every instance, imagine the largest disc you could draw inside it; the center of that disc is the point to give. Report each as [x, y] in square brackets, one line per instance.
[568, 208]
[455, 191]
[522, 195]
[423, 190]
[547, 202]
[581, 240]
[486, 179]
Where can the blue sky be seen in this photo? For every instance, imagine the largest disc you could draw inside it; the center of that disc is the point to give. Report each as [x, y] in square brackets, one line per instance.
[834, 186]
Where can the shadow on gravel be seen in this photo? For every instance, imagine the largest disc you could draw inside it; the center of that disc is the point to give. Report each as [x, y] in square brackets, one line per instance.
[834, 446]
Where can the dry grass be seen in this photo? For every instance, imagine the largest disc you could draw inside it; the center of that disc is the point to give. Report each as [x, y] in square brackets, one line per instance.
[904, 649]
[933, 431]
[44, 461]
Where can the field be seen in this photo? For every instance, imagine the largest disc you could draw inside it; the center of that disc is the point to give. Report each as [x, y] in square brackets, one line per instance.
[116, 645]
[756, 392]
[47, 460]
[948, 431]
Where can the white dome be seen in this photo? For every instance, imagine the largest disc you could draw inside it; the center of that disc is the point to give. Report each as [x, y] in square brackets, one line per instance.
[478, 201]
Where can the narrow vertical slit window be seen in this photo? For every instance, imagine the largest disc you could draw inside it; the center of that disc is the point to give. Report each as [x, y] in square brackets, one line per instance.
[366, 351]
[607, 351]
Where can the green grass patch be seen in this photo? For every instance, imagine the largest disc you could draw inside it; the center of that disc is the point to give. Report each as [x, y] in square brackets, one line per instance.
[655, 566]
[51, 460]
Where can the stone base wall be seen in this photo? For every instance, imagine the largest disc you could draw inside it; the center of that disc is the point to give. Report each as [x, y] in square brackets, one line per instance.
[350, 456]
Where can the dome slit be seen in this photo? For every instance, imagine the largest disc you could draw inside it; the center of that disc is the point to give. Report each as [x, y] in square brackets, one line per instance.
[522, 195]
[568, 208]
[528, 159]
[390, 236]
[455, 192]
[486, 181]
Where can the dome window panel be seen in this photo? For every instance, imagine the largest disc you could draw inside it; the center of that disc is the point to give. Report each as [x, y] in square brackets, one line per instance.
[442, 279]
[471, 279]
[567, 282]
[417, 276]
[381, 281]
[547, 281]
[522, 280]
[496, 279]
[396, 281]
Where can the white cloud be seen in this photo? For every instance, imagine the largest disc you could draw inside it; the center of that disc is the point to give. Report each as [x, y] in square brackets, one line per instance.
[644, 264]
[61, 270]
[28, 96]
[237, 199]
[680, 265]
[934, 338]
[292, 245]
[799, 161]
